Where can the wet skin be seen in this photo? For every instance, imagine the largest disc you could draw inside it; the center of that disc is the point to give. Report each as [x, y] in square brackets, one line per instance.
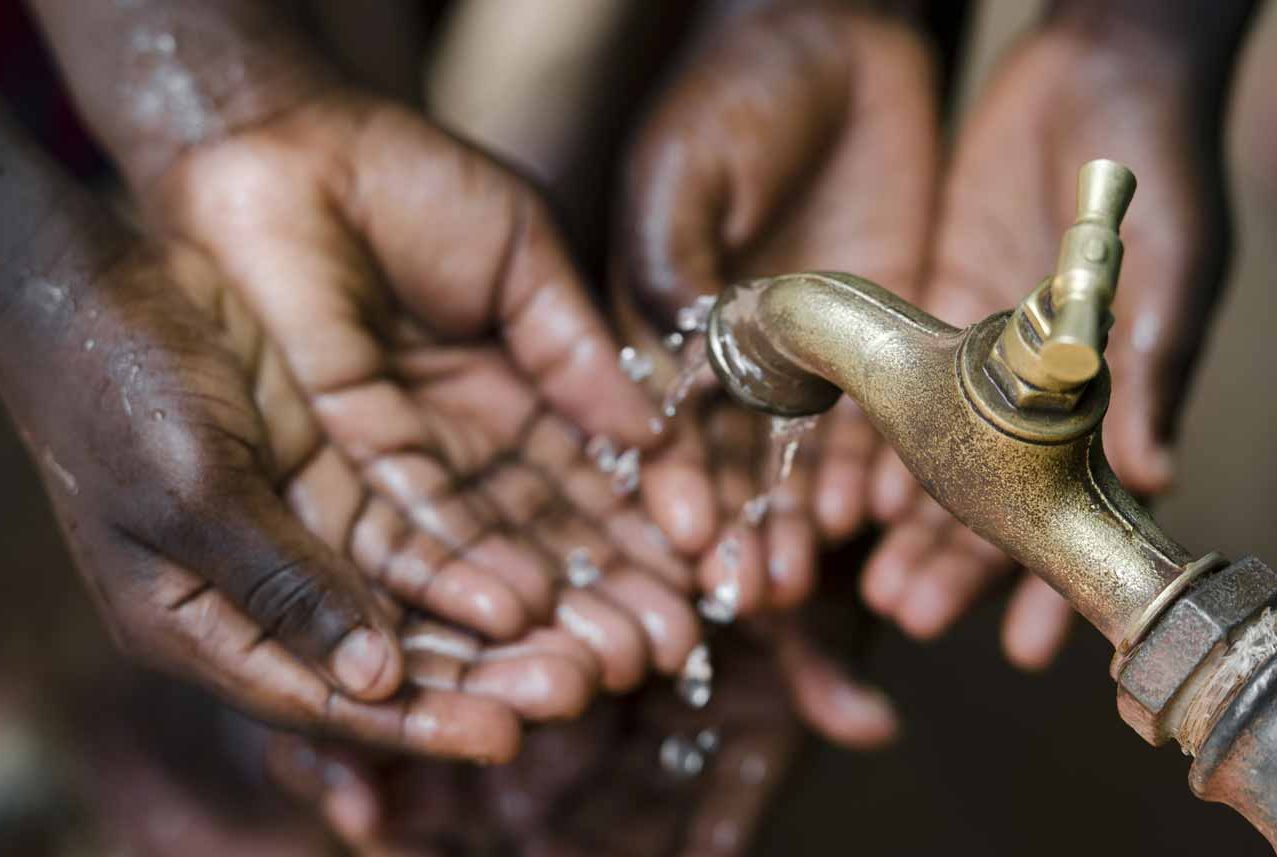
[590, 787]
[194, 451]
[1069, 93]
[807, 139]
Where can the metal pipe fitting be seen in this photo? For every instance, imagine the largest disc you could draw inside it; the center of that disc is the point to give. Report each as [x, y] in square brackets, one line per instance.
[1008, 440]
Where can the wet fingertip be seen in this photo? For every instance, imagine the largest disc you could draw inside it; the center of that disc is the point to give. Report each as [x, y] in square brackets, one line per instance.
[367, 664]
[926, 610]
[349, 806]
[680, 501]
[883, 583]
[892, 490]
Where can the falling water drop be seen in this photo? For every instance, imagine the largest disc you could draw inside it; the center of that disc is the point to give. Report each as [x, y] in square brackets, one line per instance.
[636, 365]
[626, 472]
[696, 679]
[601, 451]
[580, 568]
[681, 758]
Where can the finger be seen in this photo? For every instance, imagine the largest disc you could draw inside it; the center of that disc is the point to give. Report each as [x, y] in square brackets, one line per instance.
[733, 573]
[791, 558]
[846, 448]
[1162, 317]
[543, 676]
[335, 783]
[668, 621]
[494, 257]
[729, 806]
[206, 636]
[828, 700]
[697, 185]
[616, 639]
[893, 490]
[678, 494]
[241, 539]
[789, 532]
[895, 559]
[1036, 625]
[958, 568]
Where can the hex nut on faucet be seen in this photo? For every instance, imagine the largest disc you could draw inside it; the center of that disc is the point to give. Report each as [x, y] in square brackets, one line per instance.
[1194, 631]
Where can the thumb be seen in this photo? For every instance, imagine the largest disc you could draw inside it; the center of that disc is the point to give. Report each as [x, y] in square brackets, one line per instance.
[1161, 320]
[236, 534]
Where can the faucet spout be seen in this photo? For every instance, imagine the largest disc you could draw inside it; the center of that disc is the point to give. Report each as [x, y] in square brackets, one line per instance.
[1037, 485]
[1000, 422]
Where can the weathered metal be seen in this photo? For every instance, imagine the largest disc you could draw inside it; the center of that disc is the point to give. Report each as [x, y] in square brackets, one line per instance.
[1000, 422]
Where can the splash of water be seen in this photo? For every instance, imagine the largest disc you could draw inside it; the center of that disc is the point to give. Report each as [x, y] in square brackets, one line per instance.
[696, 678]
[580, 568]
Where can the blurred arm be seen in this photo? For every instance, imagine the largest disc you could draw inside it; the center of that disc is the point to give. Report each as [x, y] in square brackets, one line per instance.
[154, 77]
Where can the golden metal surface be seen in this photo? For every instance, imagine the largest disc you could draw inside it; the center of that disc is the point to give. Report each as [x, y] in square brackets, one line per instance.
[1036, 484]
[1055, 340]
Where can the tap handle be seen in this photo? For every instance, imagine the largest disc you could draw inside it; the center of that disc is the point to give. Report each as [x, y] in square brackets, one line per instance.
[1085, 278]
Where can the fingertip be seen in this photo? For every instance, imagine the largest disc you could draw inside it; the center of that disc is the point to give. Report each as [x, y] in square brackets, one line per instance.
[368, 664]
[926, 609]
[892, 488]
[459, 726]
[1036, 625]
[733, 571]
[839, 502]
[348, 804]
[680, 499]
[791, 560]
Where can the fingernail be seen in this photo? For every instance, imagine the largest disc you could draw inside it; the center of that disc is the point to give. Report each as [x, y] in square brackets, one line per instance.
[360, 660]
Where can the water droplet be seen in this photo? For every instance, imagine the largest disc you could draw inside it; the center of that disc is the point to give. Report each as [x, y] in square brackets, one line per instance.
[695, 366]
[636, 365]
[756, 509]
[696, 678]
[89, 344]
[695, 318]
[720, 606]
[580, 568]
[157, 415]
[728, 552]
[66, 477]
[601, 451]
[708, 740]
[656, 425]
[625, 478]
[673, 341]
[681, 757]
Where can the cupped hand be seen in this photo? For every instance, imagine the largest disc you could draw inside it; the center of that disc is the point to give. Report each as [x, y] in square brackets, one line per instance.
[450, 368]
[1060, 100]
[643, 775]
[804, 139]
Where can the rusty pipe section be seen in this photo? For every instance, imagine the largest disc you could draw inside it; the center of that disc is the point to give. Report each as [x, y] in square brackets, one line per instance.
[1036, 484]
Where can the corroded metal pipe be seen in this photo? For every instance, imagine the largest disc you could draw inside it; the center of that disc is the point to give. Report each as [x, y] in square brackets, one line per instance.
[789, 344]
[1000, 422]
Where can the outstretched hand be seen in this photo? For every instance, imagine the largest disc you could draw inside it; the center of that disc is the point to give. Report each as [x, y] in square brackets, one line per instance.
[1059, 101]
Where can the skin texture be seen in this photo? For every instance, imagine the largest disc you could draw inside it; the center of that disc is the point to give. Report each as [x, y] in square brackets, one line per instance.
[447, 355]
[804, 138]
[756, 166]
[1063, 97]
[446, 362]
[590, 787]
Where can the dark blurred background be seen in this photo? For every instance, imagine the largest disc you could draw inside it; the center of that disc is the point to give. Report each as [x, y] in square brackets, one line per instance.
[991, 761]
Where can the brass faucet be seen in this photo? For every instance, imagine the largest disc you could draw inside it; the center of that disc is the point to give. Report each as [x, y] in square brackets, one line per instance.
[1000, 422]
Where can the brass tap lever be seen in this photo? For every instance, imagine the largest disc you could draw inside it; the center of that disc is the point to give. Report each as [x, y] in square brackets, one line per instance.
[1054, 342]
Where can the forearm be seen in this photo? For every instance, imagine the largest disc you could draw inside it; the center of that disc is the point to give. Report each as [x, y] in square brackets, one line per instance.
[154, 77]
[1203, 36]
[55, 240]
